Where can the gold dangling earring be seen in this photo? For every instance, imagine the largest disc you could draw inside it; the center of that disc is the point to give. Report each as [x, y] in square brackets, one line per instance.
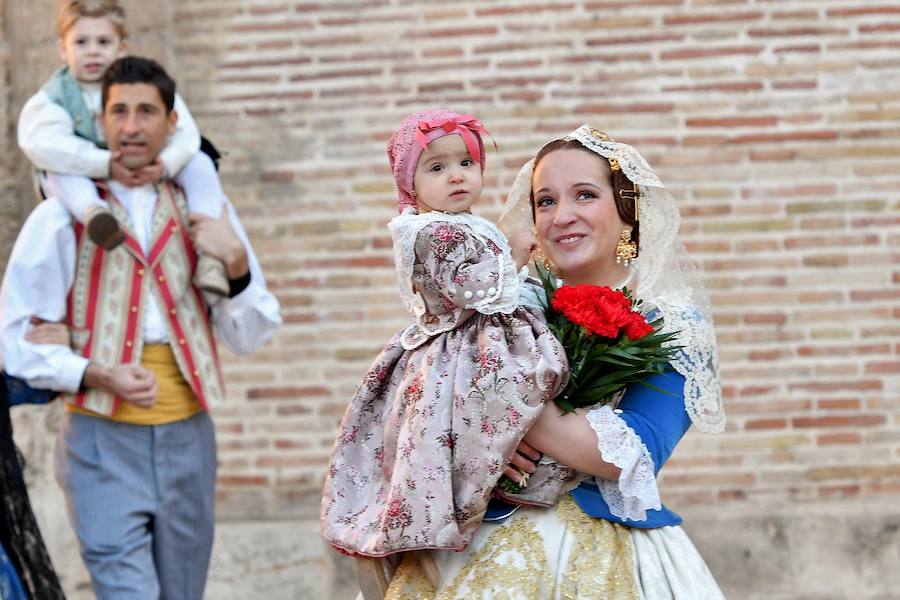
[626, 249]
[537, 255]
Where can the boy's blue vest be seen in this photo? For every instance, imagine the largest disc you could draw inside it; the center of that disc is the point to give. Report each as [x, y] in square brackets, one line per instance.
[64, 90]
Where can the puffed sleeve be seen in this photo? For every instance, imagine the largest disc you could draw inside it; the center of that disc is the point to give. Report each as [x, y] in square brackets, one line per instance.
[638, 437]
[464, 268]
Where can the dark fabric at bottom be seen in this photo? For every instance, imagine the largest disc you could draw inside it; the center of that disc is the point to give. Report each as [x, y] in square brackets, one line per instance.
[19, 531]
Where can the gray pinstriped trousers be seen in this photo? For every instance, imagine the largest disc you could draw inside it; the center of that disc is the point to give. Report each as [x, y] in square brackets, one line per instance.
[140, 499]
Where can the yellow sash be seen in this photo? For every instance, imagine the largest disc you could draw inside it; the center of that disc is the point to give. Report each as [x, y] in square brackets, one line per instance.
[175, 401]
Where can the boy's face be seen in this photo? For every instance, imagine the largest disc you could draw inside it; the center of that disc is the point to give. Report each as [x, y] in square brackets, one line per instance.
[136, 123]
[90, 46]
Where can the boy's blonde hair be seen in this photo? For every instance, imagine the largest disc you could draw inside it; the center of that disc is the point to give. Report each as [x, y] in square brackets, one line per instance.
[72, 10]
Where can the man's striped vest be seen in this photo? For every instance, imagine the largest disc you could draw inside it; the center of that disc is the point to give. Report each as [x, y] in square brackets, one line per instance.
[109, 295]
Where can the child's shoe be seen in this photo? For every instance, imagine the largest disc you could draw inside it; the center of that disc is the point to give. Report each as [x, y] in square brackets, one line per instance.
[210, 275]
[103, 228]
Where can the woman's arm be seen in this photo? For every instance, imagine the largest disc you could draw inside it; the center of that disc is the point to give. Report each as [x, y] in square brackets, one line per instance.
[623, 448]
[654, 420]
[570, 440]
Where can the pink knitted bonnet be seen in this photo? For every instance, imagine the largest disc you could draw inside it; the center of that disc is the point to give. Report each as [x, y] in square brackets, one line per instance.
[413, 136]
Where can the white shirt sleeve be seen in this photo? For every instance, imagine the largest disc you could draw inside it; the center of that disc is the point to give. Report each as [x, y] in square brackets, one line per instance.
[38, 276]
[46, 134]
[247, 321]
[183, 143]
[40, 273]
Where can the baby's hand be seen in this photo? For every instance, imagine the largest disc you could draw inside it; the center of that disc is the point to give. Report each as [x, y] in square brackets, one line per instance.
[522, 244]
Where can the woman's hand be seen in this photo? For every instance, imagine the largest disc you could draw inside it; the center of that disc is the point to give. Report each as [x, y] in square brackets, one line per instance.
[523, 461]
[45, 332]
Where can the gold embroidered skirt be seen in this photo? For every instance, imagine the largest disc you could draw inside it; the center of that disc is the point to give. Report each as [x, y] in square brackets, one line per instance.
[561, 553]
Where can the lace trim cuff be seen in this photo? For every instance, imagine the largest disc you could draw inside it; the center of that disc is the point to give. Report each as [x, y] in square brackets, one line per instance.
[636, 490]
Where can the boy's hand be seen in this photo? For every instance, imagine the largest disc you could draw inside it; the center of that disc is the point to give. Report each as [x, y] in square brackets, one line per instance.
[217, 238]
[121, 173]
[152, 173]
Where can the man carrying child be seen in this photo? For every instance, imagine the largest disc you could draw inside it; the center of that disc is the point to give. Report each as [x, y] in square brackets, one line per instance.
[136, 456]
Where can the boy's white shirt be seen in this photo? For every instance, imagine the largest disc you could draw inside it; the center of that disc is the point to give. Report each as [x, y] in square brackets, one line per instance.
[46, 133]
[40, 273]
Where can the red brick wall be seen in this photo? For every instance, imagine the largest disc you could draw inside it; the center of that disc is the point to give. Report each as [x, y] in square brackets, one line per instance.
[774, 123]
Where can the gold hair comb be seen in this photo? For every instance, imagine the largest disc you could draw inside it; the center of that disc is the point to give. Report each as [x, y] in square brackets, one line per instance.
[635, 196]
[600, 135]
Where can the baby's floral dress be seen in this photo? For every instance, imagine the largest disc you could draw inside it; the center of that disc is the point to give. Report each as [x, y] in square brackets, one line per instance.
[444, 406]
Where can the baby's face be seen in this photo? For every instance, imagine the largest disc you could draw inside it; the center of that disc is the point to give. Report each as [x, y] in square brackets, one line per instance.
[90, 46]
[446, 177]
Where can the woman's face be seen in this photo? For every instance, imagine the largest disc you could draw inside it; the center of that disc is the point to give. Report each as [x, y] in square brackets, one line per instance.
[577, 223]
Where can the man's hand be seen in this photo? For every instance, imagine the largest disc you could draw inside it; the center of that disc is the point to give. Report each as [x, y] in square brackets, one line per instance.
[132, 383]
[218, 239]
[45, 332]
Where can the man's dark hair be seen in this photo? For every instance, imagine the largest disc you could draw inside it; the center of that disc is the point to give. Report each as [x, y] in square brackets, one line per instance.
[134, 69]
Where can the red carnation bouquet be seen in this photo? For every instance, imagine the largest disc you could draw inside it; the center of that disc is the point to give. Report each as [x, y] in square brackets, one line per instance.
[608, 341]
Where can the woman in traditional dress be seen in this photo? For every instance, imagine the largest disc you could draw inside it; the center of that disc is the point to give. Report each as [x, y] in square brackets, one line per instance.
[601, 217]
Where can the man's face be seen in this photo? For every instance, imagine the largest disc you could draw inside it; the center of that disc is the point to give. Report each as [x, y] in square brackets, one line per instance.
[136, 123]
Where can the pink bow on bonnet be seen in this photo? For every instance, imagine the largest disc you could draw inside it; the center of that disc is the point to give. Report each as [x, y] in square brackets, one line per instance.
[413, 136]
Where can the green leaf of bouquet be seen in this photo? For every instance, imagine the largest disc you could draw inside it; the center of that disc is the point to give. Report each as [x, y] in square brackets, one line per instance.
[625, 354]
[607, 379]
[612, 360]
[593, 397]
[656, 389]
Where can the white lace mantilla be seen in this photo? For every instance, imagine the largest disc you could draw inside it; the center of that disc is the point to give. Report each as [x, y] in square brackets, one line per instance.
[405, 229]
[636, 490]
[669, 281]
[697, 360]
